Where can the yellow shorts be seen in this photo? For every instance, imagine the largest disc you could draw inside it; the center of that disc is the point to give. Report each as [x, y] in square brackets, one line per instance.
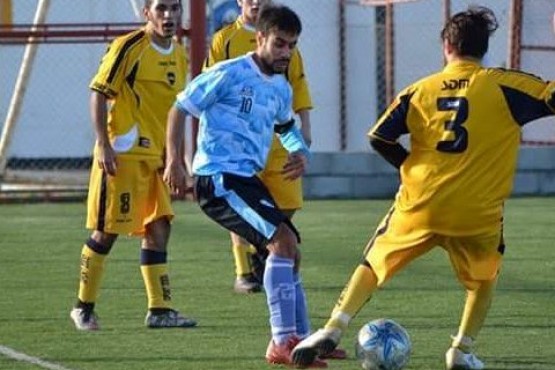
[126, 202]
[287, 194]
[397, 242]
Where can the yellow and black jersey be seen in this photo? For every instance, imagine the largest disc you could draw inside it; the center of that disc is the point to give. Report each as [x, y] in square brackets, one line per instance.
[141, 81]
[237, 39]
[465, 127]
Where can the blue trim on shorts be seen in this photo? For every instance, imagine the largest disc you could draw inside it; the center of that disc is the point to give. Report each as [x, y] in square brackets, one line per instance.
[242, 208]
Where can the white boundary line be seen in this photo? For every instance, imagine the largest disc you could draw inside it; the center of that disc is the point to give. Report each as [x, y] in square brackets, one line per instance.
[18, 356]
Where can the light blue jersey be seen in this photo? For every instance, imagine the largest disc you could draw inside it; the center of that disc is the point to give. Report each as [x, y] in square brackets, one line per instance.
[238, 107]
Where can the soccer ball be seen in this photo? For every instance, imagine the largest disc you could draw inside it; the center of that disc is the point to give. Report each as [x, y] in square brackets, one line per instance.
[383, 344]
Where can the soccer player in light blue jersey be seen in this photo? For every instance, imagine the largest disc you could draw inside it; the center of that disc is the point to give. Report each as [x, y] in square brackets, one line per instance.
[240, 104]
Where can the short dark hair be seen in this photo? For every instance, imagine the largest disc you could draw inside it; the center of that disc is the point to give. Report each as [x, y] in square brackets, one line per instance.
[469, 31]
[280, 17]
[149, 2]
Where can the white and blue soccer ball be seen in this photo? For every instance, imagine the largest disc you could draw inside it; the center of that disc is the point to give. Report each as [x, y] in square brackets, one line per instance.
[383, 344]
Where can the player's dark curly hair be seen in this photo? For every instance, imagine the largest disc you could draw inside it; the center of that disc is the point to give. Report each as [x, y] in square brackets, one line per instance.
[469, 31]
[280, 17]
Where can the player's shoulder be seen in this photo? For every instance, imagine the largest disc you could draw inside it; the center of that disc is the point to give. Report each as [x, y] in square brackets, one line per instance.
[238, 63]
[422, 84]
[512, 73]
[234, 70]
[226, 32]
[130, 40]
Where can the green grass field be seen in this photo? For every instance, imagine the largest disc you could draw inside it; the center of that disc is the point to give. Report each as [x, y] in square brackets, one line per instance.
[39, 255]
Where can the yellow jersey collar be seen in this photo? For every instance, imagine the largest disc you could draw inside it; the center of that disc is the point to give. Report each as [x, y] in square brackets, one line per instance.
[464, 64]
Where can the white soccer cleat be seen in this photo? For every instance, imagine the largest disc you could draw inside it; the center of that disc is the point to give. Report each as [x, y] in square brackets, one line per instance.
[320, 343]
[455, 359]
[84, 319]
[168, 319]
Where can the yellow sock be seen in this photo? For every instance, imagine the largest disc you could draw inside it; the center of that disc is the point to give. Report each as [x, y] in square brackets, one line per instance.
[354, 296]
[157, 284]
[476, 308]
[242, 260]
[92, 270]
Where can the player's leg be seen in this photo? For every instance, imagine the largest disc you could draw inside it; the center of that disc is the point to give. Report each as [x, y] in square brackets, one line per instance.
[155, 200]
[283, 288]
[244, 206]
[289, 198]
[393, 246]
[155, 272]
[93, 259]
[249, 265]
[245, 280]
[101, 210]
[287, 194]
[477, 261]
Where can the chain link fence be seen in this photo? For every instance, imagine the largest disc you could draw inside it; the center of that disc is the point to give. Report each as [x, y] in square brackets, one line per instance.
[355, 64]
[356, 58]
[52, 137]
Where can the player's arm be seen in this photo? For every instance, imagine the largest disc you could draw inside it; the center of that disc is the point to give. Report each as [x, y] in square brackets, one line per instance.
[390, 126]
[199, 94]
[302, 101]
[528, 97]
[394, 153]
[293, 141]
[306, 129]
[175, 173]
[105, 155]
[105, 85]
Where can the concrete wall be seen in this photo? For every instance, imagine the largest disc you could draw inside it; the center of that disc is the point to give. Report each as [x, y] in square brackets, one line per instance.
[367, 175]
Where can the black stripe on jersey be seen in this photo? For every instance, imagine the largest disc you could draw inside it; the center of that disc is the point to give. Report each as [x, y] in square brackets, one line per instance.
[132, 75]
[119, 59]
[516, 71]
[395, 124]
[130, 79]
[227, 47]
[524, 108]
[101, 217]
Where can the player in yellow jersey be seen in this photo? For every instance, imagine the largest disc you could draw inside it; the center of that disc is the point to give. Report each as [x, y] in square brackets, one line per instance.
[132, 92]
[464, 124]
[230, 42]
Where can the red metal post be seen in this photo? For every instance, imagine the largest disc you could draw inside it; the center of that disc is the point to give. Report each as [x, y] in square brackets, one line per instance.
[515, 34]
[198, 49]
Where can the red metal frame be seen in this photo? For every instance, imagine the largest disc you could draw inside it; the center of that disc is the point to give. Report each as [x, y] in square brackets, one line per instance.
[198, 51]
[67, 33]
[82, 33]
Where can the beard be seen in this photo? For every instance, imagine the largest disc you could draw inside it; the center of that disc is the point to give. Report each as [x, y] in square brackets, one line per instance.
[278, 66]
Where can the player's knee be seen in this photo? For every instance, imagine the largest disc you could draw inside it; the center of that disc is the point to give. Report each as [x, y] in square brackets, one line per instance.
[157, 235]
[284, 242]
[106, 240]
[474, 285]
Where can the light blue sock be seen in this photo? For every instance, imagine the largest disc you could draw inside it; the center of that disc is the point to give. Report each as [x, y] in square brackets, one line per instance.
[303, 320]
[280, 295]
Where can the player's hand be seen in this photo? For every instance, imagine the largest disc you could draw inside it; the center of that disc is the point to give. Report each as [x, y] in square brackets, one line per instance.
[106, 157]
[175, 175]
[295, 166]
